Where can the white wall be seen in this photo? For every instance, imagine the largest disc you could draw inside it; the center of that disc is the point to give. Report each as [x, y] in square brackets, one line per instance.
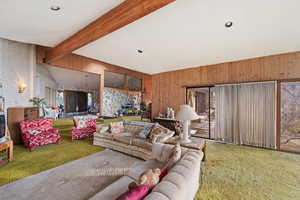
[17, 65]
[44, 79]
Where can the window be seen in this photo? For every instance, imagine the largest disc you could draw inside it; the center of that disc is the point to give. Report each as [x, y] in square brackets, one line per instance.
[290, 116]
[134, 83]
[114, 80]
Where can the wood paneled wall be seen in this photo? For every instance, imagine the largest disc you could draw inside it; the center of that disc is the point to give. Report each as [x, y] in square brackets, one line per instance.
[84, 64]
[169, 88]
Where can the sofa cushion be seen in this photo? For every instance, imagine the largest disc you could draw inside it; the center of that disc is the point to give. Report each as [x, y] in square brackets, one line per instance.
[142, 143]
[105, 135]
[125, 138]
[114, 190]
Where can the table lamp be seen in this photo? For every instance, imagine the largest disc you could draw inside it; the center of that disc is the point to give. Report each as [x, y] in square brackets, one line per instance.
[186, 114]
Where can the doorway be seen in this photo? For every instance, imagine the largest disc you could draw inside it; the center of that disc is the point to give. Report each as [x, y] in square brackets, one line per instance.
[202, 99]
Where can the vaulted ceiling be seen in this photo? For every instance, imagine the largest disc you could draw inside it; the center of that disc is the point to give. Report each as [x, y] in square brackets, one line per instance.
[186, 33]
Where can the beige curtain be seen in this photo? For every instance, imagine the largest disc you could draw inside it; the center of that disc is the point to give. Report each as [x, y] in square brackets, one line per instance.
[191, 98]
[257, 107]
[245, 114]
[50, 96]
[227, 127]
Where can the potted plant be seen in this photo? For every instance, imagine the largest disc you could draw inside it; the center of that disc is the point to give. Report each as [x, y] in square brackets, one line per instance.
[39, 102]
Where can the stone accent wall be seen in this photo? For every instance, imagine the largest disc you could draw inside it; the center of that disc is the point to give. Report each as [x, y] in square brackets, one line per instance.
[113, 99]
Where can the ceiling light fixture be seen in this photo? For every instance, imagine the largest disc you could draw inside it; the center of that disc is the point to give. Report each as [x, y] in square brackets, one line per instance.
[228, 24]
[55, 8]
[139, 51]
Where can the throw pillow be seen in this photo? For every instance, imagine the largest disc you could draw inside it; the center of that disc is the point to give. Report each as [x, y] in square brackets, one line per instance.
[175, 156]
[138, 193]
[163, 173]
[160, 134]
[102, 128]
[34, 132]
[143, 134]
[116, 127]
[81, 123]
[150, 177]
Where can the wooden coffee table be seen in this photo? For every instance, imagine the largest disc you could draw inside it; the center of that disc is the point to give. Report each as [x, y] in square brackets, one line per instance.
[197, 144]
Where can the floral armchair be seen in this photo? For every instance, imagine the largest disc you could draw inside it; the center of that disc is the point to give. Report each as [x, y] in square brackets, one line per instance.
[38, 132]
[84, 127]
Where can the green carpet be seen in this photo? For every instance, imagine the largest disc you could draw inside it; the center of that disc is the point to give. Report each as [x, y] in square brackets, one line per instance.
[245, 173]
[27, 163]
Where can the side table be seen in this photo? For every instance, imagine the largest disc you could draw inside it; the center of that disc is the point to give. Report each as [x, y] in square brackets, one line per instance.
[197, 144]
[8, 145]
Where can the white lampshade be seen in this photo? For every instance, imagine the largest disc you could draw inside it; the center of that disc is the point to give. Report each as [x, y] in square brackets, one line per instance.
[186, 112]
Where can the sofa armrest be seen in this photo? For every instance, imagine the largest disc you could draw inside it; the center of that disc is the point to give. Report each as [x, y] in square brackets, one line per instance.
[161, 152]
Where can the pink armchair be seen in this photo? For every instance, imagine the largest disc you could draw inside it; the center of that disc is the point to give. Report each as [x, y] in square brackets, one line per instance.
[38, 132]
[84, 127]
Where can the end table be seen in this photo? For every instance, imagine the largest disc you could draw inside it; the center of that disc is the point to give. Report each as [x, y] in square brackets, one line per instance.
[8, 145]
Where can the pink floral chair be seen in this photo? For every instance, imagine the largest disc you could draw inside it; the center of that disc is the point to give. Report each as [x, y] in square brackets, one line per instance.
[38, 132]
[84, 127]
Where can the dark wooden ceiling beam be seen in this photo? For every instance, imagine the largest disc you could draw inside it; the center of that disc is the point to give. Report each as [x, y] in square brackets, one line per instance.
[122, 15]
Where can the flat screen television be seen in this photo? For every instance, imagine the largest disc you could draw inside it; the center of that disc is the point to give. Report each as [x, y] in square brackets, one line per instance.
[2, 127]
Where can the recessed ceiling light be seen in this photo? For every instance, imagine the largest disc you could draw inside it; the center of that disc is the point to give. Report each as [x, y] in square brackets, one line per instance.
[55, 8]
[140, 51]
[228, 24]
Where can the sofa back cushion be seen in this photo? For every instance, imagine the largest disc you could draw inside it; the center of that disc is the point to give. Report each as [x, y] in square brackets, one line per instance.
[36, 124]
[139, 129]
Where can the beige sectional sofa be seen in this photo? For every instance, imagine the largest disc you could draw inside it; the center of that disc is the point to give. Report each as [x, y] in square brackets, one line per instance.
[181, 182]
[125, 142]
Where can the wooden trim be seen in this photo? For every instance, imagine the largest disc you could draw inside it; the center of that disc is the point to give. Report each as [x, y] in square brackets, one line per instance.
[278, 114]
[122, 15]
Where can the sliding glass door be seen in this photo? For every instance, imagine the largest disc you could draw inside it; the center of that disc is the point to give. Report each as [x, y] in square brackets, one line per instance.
[290, 116]
[203, 101]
